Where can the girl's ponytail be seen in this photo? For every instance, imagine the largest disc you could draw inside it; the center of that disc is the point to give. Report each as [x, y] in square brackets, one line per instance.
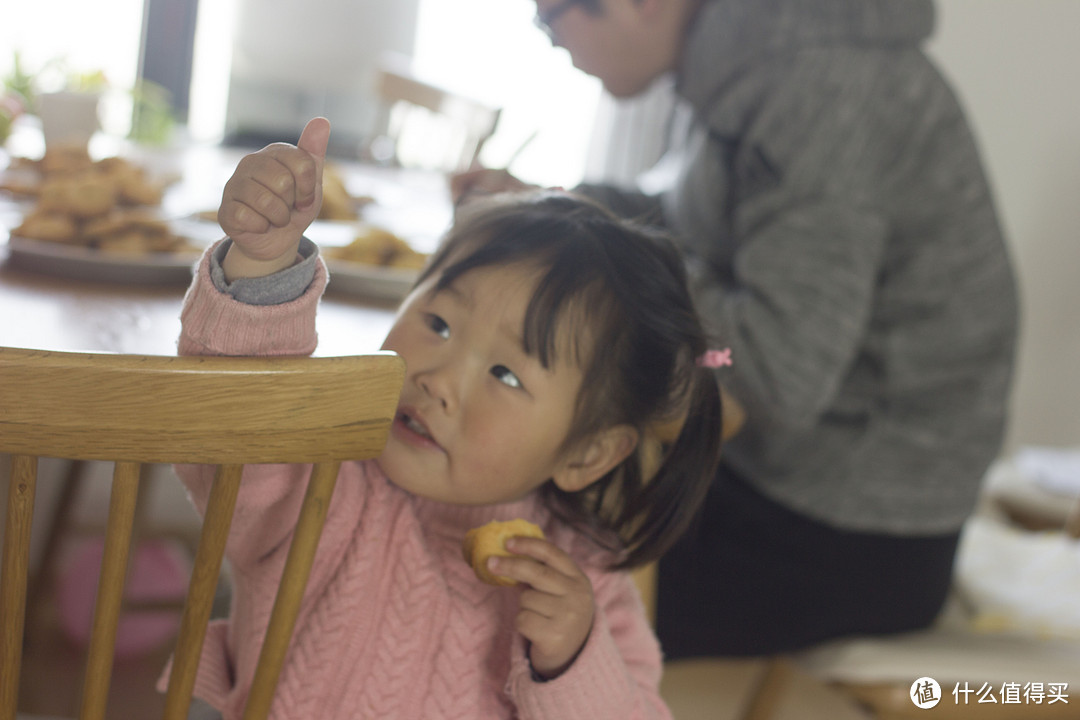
[677, 460]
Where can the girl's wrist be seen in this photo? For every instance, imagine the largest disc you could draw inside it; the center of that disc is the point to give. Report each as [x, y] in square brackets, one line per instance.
[237, 265]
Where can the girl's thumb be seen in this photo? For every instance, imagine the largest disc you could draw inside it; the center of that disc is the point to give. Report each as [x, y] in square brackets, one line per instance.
[315, 138]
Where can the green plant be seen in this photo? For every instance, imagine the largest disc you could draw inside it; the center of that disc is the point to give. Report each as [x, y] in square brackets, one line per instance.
[20, 83]
[152, 116]
[16, 96]
[92, 81]
[10, 108]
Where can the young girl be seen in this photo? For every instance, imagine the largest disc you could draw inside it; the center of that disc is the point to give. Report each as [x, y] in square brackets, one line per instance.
[542, 342]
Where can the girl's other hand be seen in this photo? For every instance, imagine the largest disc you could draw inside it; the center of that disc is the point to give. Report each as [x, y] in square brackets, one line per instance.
[556, 609]
[270, 201]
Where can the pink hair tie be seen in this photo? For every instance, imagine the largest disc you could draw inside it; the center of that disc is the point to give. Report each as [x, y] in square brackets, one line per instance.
[715, 358]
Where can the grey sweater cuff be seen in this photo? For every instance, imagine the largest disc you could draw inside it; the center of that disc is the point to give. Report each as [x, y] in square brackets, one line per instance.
[281, 287]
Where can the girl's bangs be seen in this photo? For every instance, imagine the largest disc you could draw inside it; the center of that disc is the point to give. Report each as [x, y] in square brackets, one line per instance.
[568, 285]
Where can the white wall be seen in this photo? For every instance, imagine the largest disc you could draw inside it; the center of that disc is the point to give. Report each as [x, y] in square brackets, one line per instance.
[1016, 66]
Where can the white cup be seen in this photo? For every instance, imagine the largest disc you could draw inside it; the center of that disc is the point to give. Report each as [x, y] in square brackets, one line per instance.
[68, 118]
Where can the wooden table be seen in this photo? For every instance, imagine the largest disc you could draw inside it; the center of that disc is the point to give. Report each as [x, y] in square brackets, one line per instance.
[50, 313]
[40, 310]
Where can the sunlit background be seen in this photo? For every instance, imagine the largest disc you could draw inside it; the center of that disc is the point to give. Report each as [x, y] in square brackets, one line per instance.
[1014, 63]
[486, 48]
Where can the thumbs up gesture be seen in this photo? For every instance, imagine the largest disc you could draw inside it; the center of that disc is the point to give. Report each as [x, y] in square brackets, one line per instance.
[270, 200]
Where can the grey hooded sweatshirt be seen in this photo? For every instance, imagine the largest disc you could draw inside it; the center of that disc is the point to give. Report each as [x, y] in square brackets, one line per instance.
[843, 242]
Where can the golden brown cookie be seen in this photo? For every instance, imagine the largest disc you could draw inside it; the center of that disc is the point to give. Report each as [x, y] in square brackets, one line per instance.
[82, 196]
[336, 202]
[128, 242]
[136, 189]
[47, 226]
[65, 158]
[19, 183]
[112, 223]
[487, 540]
[372, 245]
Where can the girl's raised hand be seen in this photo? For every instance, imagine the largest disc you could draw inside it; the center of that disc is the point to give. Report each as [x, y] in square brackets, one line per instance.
[556, 609]
[270, 201]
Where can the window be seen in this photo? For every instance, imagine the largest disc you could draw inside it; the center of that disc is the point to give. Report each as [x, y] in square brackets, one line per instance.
[57, 36]
[492, 50]
[487, 48]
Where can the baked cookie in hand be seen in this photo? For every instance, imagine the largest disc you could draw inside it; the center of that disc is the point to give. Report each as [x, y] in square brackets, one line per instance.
[487, 540]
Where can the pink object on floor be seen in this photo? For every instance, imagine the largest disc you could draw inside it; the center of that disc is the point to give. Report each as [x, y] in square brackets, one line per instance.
[159, 571]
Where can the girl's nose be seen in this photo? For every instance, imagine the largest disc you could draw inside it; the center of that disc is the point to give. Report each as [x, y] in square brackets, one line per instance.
[442, 384]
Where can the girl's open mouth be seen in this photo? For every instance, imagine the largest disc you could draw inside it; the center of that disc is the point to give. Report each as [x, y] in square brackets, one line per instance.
[413, 431]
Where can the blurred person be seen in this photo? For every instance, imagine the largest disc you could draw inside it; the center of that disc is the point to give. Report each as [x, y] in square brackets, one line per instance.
[842, 238]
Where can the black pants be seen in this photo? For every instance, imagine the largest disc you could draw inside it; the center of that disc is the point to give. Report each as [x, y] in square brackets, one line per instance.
[754, 578]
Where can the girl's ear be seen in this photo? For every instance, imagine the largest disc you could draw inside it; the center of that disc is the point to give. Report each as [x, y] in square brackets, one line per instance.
[594, 458]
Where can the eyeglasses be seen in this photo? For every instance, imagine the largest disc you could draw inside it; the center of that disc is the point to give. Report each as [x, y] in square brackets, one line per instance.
[545, 19]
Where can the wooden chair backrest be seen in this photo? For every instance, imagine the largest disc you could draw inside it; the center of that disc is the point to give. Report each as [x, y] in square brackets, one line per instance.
[472, 120]
[147, 409]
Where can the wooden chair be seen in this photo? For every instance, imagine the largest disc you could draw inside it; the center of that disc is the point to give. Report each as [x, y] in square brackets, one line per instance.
[697, 676]
[652, 452]
[878, 673]
[221, 411]
[427, 125]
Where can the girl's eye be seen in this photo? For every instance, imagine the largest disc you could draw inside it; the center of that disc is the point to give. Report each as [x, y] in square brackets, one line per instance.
[505, 376]
[438, 326]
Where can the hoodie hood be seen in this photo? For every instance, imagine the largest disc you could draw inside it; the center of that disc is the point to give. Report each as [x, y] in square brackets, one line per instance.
[728, 37]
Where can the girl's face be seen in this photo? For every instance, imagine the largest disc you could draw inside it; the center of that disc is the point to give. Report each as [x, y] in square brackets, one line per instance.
[479, 421]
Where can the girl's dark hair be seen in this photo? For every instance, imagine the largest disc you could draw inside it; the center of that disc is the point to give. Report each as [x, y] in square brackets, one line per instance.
[623, 287]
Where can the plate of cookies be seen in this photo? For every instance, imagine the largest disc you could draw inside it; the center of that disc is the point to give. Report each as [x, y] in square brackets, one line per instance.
[365, 258]
[86, 263]
[374, 262]
[97, 220]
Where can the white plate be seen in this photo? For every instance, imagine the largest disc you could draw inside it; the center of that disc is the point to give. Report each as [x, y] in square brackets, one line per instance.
[352, 278]
[380, 283]
[82, 263]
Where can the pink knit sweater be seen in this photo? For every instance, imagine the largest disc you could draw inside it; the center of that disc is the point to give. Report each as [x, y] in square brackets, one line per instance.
[394, 623]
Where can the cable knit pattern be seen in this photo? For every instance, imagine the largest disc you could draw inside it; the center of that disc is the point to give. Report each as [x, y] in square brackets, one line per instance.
[394, 624]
